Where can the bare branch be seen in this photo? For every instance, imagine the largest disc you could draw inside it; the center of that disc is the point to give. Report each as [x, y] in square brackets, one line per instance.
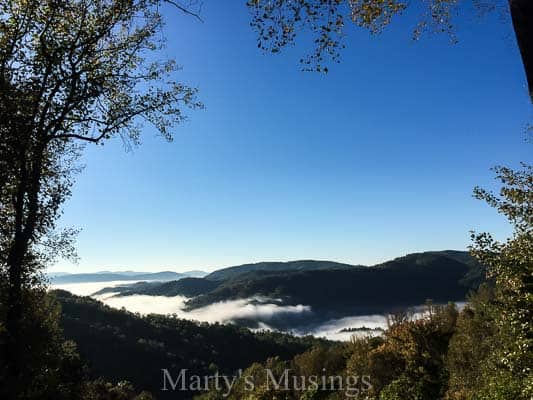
[79, 137]
[185, 10]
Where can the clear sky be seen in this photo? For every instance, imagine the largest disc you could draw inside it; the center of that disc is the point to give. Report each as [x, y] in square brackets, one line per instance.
[372, 161]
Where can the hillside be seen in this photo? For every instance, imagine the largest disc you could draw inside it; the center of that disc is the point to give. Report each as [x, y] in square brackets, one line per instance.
[331, 287]
[397, 283]
[141, 346]
[430, 257]
[188, 287]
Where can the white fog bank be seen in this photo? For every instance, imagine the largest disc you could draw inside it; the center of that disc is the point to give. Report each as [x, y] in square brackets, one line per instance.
[332, 329]
[257, 309]
[224, 311]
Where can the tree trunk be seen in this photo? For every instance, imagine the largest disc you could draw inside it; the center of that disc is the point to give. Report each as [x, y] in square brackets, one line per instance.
[15, 262]
[13, 321]
[26, 203]
[522, 16]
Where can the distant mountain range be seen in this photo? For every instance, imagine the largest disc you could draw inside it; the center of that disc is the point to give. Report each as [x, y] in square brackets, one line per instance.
[325, 285]
[108, 276]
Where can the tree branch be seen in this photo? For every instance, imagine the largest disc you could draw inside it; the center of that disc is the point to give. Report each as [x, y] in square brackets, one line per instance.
[91, 139]
[184, 10]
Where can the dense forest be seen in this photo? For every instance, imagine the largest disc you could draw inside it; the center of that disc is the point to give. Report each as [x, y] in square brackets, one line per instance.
[142, 346]
[422, 359]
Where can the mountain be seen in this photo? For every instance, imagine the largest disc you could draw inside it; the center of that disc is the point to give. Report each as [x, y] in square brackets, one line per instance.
[119, 345]
[195, 273]
[428, 257]
[106, 276]
[188, 287]
[330, 287]
[301, 265]
[394, 284]
[56, 274]
[473, 277]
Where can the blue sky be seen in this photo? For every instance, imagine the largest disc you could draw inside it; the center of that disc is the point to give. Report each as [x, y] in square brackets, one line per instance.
[374, 160]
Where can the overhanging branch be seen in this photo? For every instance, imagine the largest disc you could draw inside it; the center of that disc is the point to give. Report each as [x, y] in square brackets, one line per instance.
[185, 10]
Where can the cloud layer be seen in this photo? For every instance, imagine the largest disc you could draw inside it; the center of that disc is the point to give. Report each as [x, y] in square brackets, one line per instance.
[256, 309]
[264, 312]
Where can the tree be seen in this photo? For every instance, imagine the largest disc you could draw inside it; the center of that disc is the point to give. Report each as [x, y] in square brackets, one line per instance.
[278, 23]
[71, 72]
[53, 368]
[510, 264]
[474, 342]
[491, 354]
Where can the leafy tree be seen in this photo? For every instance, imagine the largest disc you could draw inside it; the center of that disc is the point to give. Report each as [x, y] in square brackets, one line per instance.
[410, 362]
[509, 369]
[278, 23]
[474, 342]
[491, 353]
[71, 72]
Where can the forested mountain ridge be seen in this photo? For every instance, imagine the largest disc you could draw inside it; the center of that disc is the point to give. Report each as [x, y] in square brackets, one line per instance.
[360, 289]
[275, 266]
[188, 287]
[432, 257]
[404, 281]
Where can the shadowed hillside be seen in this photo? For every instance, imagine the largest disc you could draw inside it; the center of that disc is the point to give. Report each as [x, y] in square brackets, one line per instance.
[141, 346]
